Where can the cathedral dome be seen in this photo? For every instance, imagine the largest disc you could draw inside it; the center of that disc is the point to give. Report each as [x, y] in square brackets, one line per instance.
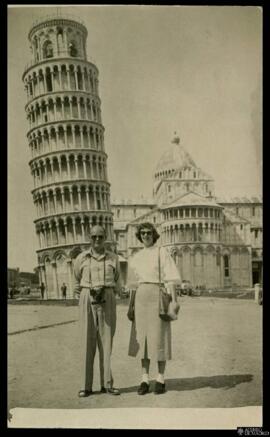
[174, 158]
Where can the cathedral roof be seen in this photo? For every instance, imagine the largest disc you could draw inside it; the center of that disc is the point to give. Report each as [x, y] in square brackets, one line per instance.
[234, 218]
[138, 201]
[235, 200]
[175, 158]
[144, 217]
[192, 199]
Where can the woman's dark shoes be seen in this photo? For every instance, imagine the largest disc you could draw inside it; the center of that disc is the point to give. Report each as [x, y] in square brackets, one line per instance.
[103, 390]
[112, 391]
[159, 388]
[143, 389]
[84, 393]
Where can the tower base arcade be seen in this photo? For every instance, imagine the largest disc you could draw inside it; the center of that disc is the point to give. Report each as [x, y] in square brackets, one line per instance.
[56, 267]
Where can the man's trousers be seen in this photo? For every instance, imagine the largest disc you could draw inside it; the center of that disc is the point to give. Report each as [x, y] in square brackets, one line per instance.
[97, 325]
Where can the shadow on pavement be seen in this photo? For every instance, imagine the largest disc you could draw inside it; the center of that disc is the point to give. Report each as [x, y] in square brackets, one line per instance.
[182, 384]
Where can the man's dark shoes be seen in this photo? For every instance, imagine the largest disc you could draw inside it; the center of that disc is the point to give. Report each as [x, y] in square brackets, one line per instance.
[159, 388]
[103, 390]
[84, 393]
[143, 389]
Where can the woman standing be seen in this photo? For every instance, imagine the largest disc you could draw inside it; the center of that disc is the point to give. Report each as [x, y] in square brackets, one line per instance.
[151, 335]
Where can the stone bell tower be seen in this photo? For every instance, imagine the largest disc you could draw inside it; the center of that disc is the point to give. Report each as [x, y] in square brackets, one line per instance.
[68, 161]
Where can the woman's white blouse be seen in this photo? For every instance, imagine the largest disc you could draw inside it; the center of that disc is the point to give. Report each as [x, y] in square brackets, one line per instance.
[143, 266]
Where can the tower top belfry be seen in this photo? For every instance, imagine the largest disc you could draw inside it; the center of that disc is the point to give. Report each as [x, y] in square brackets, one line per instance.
[57, 37]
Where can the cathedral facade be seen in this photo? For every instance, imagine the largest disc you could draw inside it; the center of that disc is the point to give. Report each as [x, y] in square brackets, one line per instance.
[216, 243]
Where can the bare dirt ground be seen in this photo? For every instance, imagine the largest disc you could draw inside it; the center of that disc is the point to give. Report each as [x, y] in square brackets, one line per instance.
[217, 358]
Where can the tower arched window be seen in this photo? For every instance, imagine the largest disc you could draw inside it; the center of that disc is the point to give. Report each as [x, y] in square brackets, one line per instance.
[60, 39]
[79, 76]
[36, 49]
[48, 79]
[47, 49]
[72, 49]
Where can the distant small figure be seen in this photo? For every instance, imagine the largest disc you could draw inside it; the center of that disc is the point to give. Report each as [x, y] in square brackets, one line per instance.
[12, 292]
[64, 291]
[42, 290]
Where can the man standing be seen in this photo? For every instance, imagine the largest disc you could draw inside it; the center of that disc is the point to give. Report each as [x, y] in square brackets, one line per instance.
[42, 290]
[64, 291]
[97, 279]
[12, 292]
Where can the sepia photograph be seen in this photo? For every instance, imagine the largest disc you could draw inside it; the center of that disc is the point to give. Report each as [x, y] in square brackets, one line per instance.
[135, 229]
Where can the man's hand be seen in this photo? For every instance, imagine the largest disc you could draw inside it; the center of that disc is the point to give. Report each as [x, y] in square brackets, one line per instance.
[77, 294]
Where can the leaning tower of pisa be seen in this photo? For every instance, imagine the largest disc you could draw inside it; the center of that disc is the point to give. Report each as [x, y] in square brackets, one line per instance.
[68, 162]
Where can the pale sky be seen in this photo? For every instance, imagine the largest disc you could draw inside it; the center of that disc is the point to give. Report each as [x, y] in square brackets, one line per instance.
[191, 69]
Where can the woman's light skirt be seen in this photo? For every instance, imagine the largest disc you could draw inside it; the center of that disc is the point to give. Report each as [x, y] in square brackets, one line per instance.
[150, 336]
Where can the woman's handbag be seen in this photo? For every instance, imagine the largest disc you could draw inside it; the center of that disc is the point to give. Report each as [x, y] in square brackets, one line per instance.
[166, 311]
[164, 304]
[131, 307]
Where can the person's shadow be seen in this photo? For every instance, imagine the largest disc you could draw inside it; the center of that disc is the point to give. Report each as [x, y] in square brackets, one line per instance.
[182, 384]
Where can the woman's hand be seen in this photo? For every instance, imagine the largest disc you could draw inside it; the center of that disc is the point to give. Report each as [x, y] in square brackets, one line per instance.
[175, 306]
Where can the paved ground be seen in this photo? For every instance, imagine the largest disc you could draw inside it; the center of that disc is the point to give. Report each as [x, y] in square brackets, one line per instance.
[217, 358]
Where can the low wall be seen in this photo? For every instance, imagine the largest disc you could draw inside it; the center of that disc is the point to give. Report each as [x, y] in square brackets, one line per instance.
[59, 302]
[241, 294]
